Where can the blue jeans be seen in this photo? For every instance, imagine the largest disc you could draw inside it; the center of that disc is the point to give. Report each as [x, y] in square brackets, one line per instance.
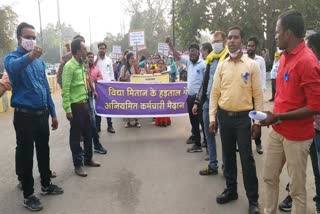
[95, 135]
[210, 138]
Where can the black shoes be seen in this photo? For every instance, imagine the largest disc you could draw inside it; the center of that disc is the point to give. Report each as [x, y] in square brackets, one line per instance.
[32, 203]
[194, 149]
[100, 150]
[204, 144]
[111, 130]
[91, 163]
[259, 149]
[51, 190]
[226, 197]
[190, 140]
[208, 171]
[254, 208]
[53, 174]
[286, 204]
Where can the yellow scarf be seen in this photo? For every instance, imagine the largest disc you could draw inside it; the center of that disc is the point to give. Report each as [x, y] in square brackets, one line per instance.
[277, 55]
[214, 55]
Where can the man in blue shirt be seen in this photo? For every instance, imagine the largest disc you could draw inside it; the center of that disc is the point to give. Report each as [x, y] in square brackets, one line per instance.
[195, 68]
[33, 103]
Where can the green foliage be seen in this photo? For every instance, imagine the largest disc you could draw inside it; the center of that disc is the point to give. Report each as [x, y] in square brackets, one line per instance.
[256, 17]
[8, 23]
[188, 19]
[150, 16]
[51, 41]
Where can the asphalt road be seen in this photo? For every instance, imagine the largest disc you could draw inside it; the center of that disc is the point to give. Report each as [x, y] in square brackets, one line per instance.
[146, 171]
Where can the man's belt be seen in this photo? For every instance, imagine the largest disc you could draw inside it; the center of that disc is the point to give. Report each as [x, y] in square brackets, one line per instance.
[32, 111]
[82, 102]
[233, 113]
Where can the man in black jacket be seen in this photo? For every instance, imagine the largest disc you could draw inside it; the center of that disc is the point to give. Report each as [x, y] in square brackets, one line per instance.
[217, 54]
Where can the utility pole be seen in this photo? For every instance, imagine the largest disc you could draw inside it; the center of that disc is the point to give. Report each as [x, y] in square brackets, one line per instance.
[90, 34]
[59, 26]
[173, 25]
[41, 33]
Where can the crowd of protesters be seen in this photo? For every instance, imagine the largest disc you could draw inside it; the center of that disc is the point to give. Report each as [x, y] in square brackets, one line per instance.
[225, 82]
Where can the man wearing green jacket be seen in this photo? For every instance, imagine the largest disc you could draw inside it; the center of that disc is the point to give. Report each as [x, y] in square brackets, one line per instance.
[75, 104]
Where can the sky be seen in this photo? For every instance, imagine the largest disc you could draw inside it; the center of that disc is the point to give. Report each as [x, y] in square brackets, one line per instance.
[104, 15]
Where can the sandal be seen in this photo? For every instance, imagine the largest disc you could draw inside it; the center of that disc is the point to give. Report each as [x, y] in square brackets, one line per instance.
[138, 125]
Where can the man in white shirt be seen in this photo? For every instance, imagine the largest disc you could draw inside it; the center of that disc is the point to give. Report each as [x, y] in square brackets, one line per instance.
[105, 65]
[251, 52]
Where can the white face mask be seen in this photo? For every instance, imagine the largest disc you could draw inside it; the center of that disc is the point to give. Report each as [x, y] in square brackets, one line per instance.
[235, 54]
[28, 44]
[217, 47]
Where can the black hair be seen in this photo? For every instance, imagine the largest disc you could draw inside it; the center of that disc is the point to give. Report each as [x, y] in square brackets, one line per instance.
[75, 46]
[293, 20]
[314, 42]
[195, 46]
[142, 58]
[79, 37]
[102, 44]
[21, 26]
[128, 56]
[255, 40]
[89, 53]
[237, 28]
[207, 46]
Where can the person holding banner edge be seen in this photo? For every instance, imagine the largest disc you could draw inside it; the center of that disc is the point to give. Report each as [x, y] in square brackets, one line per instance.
[125, 76]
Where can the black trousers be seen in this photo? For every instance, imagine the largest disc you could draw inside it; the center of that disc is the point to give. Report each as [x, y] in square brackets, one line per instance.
[237, 129]
[194, 120]
[314, 160]
[200, 111]
[273, 87]
[80, 126]
[98, 122]
[32, 129]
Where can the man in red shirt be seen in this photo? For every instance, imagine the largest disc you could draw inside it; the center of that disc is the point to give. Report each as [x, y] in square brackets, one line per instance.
[296, 102]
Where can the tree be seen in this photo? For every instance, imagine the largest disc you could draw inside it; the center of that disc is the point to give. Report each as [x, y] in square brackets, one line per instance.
[256, 17]
[51, 41]
[152, 20]
[8, 23]
[112, 40]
